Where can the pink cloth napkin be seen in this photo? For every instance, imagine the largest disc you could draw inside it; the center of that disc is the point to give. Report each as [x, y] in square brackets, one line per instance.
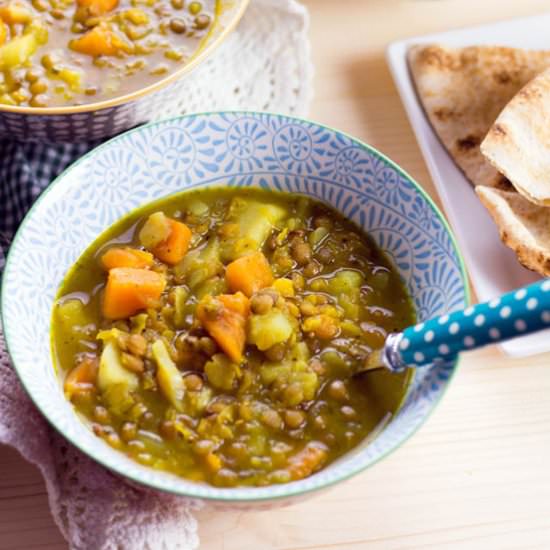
[93, 508]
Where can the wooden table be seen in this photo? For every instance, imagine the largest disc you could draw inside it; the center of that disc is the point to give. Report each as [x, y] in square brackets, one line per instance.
[477, 475]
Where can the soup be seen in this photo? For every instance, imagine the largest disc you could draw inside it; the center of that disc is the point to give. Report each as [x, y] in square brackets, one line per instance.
[72, 52]
[214, 334]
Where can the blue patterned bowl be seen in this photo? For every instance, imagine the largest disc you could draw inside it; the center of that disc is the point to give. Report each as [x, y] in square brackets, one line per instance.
[96, 121]
[237, 149]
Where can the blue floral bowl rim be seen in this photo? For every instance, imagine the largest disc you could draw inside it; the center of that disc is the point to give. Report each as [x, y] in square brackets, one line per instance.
[225, 495]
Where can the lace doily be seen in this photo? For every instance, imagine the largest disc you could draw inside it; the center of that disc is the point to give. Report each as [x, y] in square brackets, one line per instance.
[266, 60]
[265, 63]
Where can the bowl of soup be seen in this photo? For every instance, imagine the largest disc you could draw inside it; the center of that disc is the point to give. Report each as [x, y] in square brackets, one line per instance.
[199, 293]
[83, 70]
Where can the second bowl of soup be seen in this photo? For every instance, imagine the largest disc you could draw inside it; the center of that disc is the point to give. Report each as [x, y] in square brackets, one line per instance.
[82, 70]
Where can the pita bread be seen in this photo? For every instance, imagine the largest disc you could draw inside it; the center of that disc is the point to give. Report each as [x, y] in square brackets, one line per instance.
[464, 90]
[518, 144]
[523, 226]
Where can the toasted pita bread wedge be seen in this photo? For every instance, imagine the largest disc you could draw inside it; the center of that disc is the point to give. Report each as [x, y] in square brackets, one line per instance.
[518, 144]
[523, 226]
[464, 90]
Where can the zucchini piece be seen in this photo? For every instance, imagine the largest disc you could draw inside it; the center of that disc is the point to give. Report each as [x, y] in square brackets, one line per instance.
[114, 381]
[211, 287]
[180, 299]
[221, 372]
[197, 401]
[255, 221]
[269, 373]
[317, 237]
[72, 315]
[197, 208]
[17, 51]
[169, 377]
[139, 323]
[199, 265]
[300, 352]
[345, 282]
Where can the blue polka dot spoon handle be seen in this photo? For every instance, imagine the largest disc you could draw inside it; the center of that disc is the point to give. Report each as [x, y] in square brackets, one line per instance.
[520, 312]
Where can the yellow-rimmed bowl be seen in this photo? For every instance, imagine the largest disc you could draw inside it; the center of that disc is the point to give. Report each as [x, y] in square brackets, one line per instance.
[96, 121]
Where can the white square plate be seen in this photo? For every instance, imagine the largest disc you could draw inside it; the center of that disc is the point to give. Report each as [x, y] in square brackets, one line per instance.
[493, 268]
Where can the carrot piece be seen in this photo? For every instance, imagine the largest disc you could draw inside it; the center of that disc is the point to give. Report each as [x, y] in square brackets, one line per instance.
[126, 257]
[129, 290]
[224, 317]
[101, 40]
[98, 7]
[238, 303]
[249, 274]
[213, 461]
[307, 461]
[82, 378]
[174, 248]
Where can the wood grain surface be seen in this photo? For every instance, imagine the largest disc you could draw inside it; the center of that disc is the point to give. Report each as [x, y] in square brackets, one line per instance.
[477, 474]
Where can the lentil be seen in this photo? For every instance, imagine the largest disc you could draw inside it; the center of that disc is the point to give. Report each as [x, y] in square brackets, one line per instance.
[177, 25]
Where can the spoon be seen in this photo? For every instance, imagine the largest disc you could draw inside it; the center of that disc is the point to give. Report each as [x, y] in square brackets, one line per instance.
[441, 339]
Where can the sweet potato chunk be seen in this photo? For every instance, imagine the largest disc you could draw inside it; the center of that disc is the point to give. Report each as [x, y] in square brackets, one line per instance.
[174, 248]
[130, 290]
[82, 378]
[249, 274]
[224, 317]
[307, 461]
[126, 257]
[101, 40]
[98, 7]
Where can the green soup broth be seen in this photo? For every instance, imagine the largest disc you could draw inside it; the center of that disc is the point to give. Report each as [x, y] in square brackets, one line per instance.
[230, 364]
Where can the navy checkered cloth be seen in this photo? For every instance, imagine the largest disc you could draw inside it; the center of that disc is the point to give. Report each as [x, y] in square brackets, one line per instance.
[26, 169]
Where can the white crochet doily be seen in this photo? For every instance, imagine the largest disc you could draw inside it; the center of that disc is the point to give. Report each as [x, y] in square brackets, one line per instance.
[265, 64]
[266, 60]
